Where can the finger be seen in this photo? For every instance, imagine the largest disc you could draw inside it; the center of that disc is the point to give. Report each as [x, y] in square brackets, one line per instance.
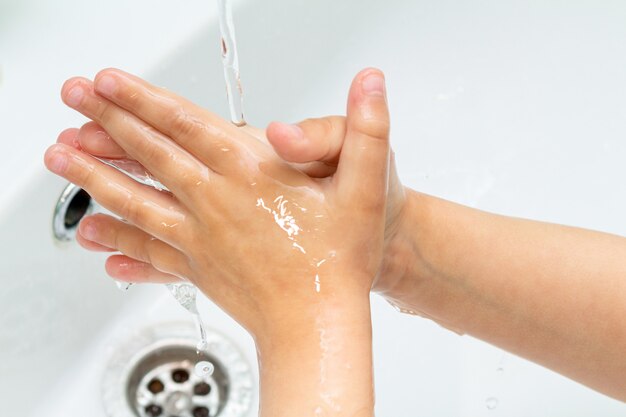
[200, 132]
[157, 213]
[69, 137]
[310, 140]
[171, 164]
[133, 242]
[127, 269]
[89, 245]
[95, 140]
[364, 163]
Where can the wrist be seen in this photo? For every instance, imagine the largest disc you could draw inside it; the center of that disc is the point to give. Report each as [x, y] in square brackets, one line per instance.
[319, 363]
[403, 260]
[296, 328]
[424, 256]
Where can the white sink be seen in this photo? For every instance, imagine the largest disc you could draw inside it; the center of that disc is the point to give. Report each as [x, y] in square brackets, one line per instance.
[511, 108]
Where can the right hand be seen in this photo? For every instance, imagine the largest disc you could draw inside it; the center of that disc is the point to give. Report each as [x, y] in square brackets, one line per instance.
[313, 146]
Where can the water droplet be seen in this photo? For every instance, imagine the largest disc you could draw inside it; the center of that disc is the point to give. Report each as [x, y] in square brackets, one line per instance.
[123, 286]
[204, 369]
[491, 403]
[202, 346]
[402, 309]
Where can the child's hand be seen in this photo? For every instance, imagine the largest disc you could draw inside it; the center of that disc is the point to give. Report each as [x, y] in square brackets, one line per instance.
[313, 146]
[243, 225]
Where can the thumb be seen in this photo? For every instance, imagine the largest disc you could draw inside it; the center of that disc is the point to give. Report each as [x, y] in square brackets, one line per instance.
[312, 140]
[364, 163]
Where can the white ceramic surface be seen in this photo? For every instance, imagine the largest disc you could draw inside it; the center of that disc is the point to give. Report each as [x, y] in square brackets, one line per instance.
[513, 107]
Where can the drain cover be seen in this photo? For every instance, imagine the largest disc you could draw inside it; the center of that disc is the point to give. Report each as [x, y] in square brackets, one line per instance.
[154, 374]
[169, 385]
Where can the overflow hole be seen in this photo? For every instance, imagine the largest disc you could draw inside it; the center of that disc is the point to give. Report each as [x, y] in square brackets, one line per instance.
[77, 209]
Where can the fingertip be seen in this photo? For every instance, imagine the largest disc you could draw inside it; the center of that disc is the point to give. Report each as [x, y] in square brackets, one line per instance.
[55, 158]
[285, 131]
[96, 141]
[88, 228]
[368, 83]
[122, 267]
[288, 141]
[90, 245]
[69, 137]
[73, 91]
[368, 111]
[126, 269]
[373, 83]
[110, 72]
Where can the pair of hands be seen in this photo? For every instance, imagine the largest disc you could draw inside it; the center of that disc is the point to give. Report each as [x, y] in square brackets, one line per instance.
[264, 231]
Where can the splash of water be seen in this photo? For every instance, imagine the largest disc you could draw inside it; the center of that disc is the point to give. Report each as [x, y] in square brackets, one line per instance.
[186, 294]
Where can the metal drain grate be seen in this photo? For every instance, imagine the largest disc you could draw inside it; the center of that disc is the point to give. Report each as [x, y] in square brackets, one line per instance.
[168, 385]
[152, 374]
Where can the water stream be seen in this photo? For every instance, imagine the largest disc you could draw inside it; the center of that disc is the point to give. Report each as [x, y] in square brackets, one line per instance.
[230, 60]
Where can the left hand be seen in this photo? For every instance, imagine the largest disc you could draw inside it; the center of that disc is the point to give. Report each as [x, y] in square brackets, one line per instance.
[240, 223]
[312, 146]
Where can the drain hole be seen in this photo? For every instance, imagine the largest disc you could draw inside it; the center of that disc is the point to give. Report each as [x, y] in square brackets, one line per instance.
[201, 412]
[153, 410]
[77, 208]
[180, 376]
[155, 386]
[202, 389]
[73, 204]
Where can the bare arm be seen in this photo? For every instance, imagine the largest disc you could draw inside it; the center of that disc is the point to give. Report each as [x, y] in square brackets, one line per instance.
[553, 294]
[321, 365]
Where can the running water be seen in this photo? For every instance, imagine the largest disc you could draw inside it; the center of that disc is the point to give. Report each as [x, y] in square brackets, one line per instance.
[230, 60]
[186, 295]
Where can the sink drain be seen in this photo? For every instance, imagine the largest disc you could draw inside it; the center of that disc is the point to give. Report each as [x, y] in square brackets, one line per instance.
[73, 204]
[154, 374]
[165, 383]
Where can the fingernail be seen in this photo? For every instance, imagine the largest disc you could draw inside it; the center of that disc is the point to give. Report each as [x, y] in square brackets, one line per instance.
[101, 135]
[373, 84]
[296, 131]
[88, 231]
[75, 96]
[106, 85]
[57, 163]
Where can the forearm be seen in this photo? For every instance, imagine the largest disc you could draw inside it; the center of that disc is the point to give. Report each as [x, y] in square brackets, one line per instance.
[553, 294]
[320, 366]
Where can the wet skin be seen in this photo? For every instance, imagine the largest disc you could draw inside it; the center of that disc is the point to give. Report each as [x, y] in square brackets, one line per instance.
[287, 255]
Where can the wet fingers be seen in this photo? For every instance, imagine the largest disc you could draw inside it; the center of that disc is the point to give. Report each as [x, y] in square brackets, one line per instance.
[126, 269]
[134, 243]
[154, 212]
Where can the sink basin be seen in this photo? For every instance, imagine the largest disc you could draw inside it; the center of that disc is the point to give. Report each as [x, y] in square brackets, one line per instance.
[512, 108]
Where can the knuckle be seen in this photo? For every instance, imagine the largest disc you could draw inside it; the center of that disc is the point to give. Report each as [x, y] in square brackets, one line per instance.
[374, 127]
[327, 126]
[105, 113]
[85, 178]
[143, 252]
[160, 258]
[130, 209]
[337, 125]
[319, 127]
[181, 123]
[151, 153]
